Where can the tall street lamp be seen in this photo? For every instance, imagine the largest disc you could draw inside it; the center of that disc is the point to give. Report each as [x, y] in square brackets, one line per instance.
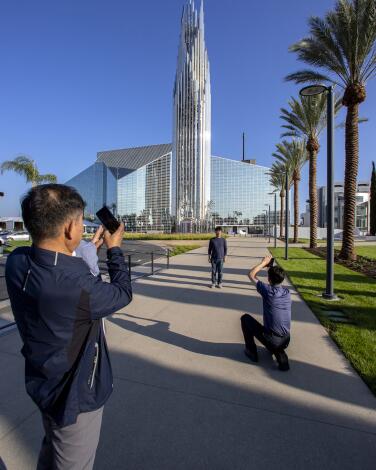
[275, 217]
[313, 90]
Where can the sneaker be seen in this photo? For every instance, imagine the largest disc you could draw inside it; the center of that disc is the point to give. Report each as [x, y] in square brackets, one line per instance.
[212, 286]
[283, 360]
[253, 356]
[219, 286]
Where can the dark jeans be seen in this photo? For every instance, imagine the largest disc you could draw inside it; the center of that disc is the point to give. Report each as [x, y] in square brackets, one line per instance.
[217, 267]
[253, 329]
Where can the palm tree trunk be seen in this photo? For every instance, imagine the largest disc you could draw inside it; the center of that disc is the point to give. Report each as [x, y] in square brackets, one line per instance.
[312, 148]
[282, 196]
[351, 174]
[296, 208]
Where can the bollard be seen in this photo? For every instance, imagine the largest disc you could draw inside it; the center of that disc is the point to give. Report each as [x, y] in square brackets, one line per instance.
[168, 258]
[152, 262]
[129, 266]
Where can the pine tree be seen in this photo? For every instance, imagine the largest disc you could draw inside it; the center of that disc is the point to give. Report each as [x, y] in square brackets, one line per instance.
[373, 201]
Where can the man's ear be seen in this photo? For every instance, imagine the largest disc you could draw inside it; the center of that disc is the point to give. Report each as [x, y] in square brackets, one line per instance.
[68, 229]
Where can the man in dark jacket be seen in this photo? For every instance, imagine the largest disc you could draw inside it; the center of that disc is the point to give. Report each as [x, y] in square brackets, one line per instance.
[59, 306]
[217, 253]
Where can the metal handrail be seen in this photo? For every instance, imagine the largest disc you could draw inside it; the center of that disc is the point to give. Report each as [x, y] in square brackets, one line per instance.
[129, 255]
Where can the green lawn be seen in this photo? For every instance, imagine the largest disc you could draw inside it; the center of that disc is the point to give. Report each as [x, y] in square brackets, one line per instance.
[180, 249]
[14, 244]
[367, 251]
[176, 250]
[357, 300]
[168, 236]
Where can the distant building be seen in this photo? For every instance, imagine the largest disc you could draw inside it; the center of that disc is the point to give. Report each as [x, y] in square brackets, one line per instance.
[11, 223]
[362, 206]
[136, 184]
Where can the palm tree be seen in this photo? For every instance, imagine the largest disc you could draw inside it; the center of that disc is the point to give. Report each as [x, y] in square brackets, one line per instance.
[306, 119]
[342, 45]
[277, 175]
[26, 167]
[293, 155]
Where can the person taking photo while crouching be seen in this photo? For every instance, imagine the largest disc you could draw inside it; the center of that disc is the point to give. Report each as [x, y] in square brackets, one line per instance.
[274, 334]
[58, 305]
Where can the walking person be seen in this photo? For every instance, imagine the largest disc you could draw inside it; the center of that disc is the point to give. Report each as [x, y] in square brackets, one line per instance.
[59, 306]
[217, 253]
[274, 334]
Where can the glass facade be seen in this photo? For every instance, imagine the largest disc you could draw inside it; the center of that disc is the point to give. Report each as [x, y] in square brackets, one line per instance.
[92, 185]
[240, 193]
[144, 196]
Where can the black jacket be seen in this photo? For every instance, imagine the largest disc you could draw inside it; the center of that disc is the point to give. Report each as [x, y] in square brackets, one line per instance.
[58, 306]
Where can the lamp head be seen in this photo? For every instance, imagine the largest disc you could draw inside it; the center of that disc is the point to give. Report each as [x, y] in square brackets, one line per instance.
[313, 90]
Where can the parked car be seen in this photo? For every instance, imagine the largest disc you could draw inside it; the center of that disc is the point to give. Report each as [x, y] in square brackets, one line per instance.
[19, 236]
[242, 233]
[4, 237]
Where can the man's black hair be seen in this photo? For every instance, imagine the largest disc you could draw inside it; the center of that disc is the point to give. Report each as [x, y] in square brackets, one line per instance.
[218, 229]
[276, 275]
[45, 208]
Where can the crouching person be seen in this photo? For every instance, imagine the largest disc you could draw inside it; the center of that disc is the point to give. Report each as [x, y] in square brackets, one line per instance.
[59, 308]
[274, 334]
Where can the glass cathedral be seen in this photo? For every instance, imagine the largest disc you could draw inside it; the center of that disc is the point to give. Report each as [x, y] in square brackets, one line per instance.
[180, 186]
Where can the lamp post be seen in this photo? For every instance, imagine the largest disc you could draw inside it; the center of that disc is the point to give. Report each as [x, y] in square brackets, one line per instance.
[265, 219]
[275, 217]
[313, 90]
[268, 205]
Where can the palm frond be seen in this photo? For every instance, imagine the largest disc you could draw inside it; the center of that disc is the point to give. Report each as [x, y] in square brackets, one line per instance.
[48, 178]
[341, 45]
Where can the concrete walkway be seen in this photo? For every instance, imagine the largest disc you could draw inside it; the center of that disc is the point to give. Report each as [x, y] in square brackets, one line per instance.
[187, 398]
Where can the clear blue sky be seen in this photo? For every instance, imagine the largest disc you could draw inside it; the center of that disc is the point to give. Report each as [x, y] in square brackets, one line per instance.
[82, 76]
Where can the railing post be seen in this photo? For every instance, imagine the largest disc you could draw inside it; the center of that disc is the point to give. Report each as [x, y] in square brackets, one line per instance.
[152, 262]
[168, 258]
[129, 266]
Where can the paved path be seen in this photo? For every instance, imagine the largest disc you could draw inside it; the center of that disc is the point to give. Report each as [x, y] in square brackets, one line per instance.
[186, 397]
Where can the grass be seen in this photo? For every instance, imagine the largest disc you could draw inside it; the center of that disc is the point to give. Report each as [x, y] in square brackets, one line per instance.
[14, 244]
[357, 301]
[366, 251]
[168, 236]
[180, 249]
[306, 240]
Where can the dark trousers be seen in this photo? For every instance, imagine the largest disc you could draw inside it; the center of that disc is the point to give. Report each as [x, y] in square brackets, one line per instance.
[217, 267]
[253, 329]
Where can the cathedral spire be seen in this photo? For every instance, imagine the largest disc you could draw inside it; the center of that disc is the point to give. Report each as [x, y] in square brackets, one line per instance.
[192, 121]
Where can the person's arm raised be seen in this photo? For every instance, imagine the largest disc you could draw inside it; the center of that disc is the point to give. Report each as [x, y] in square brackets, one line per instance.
[256, 269]
[107, 298]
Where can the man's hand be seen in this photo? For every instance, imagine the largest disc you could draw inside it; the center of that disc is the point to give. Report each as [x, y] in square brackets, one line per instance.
[98, 237]
[115, 239]
[266, 261]
[224, 259]
[209, 259]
